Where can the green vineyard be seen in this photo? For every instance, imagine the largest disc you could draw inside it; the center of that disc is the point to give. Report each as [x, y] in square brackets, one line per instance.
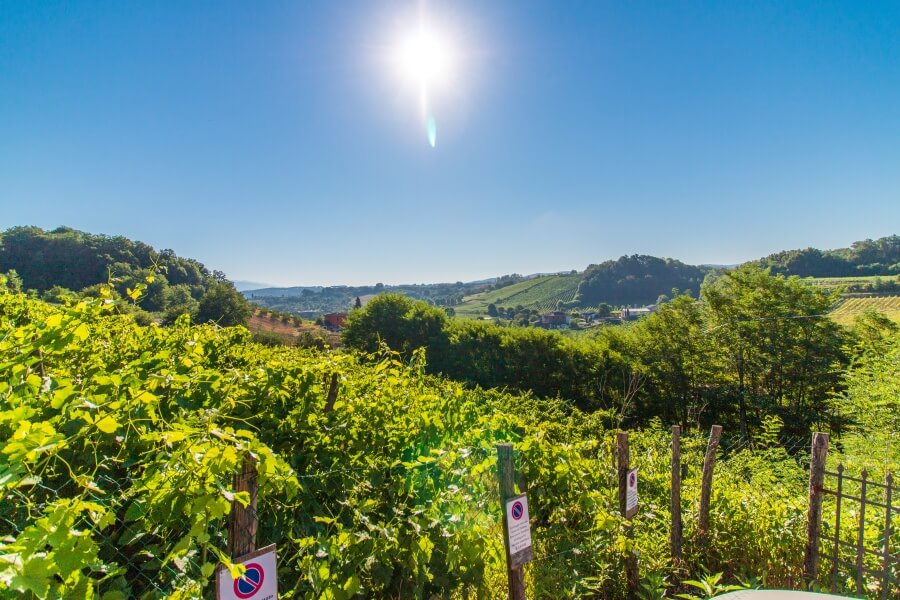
[120, 443]
[539, 293]
[850, 308]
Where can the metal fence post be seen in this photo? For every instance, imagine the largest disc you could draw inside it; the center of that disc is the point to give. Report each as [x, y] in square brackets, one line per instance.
[886, 556]
[861, 534]
[837, 528]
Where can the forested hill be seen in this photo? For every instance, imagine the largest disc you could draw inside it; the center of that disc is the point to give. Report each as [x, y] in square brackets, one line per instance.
[65, 262]
[636, 279]
[867, 257]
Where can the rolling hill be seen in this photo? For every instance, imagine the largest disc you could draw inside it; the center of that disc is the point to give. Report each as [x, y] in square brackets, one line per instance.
[540, 293]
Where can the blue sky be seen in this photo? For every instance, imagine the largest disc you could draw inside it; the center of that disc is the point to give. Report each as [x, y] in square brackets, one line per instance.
[275, 142]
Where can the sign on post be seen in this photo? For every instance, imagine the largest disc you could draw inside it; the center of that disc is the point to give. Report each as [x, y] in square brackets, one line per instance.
[631, 496]
[259, 581]
[519, 527]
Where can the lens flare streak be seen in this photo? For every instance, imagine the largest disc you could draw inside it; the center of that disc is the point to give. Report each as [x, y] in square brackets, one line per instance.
[432, 131]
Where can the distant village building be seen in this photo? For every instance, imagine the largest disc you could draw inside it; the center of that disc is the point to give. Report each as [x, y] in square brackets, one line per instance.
[628, 314]
[335, 321]
[554, 320]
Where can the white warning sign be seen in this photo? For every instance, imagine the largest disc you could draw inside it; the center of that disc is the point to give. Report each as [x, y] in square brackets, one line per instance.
[631, 495]
[519, 530]
[259, 581]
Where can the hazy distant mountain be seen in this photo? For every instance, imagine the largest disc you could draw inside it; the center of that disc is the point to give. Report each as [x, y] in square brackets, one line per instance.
[243, 286]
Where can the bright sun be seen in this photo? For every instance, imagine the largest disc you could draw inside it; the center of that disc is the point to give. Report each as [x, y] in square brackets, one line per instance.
[426, 58]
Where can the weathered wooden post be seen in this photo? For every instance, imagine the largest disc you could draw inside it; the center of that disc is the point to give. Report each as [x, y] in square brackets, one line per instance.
[676, 525]
[243, 525]
[819, 453]
[624, 466]
[332, 393]
[706, 484]
[506, 474]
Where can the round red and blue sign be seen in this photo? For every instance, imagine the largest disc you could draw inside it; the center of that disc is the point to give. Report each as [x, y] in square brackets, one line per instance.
[518, 509]
[249, 583]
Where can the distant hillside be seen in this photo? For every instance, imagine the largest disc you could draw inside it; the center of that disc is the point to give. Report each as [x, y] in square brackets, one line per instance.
[636, 280]
[541, 293]
[243, 286]
[340, 298]
[867, 257]
[65, 262]
[271, 329]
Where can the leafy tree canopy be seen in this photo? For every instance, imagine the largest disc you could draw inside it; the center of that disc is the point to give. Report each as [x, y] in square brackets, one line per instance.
[65, 259]
[636, 279]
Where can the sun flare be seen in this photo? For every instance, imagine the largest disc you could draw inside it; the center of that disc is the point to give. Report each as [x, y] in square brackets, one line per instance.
[425, 57]
[425, 60]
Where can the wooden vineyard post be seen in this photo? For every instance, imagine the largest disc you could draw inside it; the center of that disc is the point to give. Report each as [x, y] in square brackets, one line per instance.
[624, 466]
[506, 472]
[332, 393]
[676, 525]
[243, 524]
[706, 485]
[819, 453]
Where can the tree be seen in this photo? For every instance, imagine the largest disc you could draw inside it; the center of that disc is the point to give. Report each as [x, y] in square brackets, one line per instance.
[778, 344]
[224, 305]
[11, 281]
[403, 324]
[636, 279]
[871, 399]
[492, 310]
[178, 301]
[675, 351]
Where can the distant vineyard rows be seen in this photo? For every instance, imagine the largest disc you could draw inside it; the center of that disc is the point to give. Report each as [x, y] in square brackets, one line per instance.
[544, 294]
[850, 308]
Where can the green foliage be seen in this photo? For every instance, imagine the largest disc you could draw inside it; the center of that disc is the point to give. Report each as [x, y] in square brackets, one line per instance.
[755, 345]
[535, 293]
[709, 587]
[74, 259]
[636, 280]
[64, 263]
[11, 281]
[118, 444]
[778, 344]
[871, 399]
[403, 324]
[223, 305]
[866, 257]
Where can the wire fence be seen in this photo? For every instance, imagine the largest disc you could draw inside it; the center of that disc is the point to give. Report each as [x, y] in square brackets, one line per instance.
[860, 536]
[137, 561]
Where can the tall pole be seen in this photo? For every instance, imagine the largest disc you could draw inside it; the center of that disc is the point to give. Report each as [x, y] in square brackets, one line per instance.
[506, 472]
[814, 514]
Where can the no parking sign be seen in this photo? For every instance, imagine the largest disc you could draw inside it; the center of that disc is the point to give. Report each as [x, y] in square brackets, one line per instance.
[259, 581]
[518, 530]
